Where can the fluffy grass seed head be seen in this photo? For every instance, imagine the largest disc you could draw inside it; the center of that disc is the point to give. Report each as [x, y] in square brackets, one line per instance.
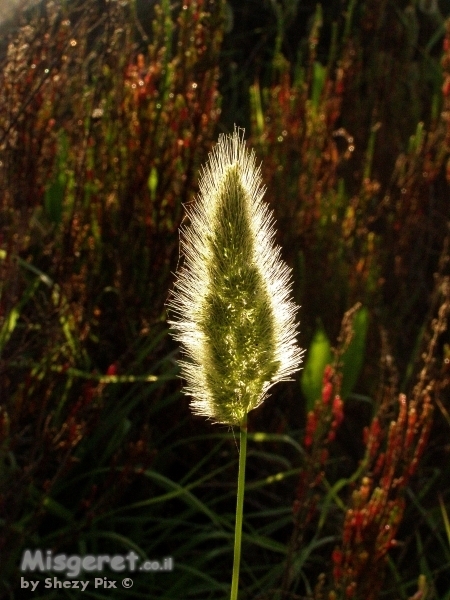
[230, 307]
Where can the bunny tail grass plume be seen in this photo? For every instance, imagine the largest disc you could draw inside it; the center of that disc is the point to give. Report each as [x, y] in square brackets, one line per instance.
[230, 307]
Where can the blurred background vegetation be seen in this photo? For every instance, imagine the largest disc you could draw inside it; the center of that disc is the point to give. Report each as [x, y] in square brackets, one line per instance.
[107, 110]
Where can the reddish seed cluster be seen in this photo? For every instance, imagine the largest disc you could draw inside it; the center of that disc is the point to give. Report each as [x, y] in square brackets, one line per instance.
[181, 92]
[323, 422]
[321, 426]
[377, 507]
[338, 416]
[311, 426]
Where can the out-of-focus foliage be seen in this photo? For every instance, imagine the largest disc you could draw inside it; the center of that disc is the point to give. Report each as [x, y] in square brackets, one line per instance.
[107, 109]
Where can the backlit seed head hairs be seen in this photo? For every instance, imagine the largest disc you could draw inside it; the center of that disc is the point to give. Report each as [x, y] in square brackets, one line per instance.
[230, 308]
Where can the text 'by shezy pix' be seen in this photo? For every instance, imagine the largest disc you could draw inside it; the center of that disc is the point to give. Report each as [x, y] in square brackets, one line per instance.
[74, 584]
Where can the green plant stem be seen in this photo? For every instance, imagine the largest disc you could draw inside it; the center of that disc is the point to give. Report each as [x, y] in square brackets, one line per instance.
[239, 510]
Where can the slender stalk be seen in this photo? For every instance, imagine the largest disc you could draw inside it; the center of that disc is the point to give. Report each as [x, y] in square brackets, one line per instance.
[239, 509]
